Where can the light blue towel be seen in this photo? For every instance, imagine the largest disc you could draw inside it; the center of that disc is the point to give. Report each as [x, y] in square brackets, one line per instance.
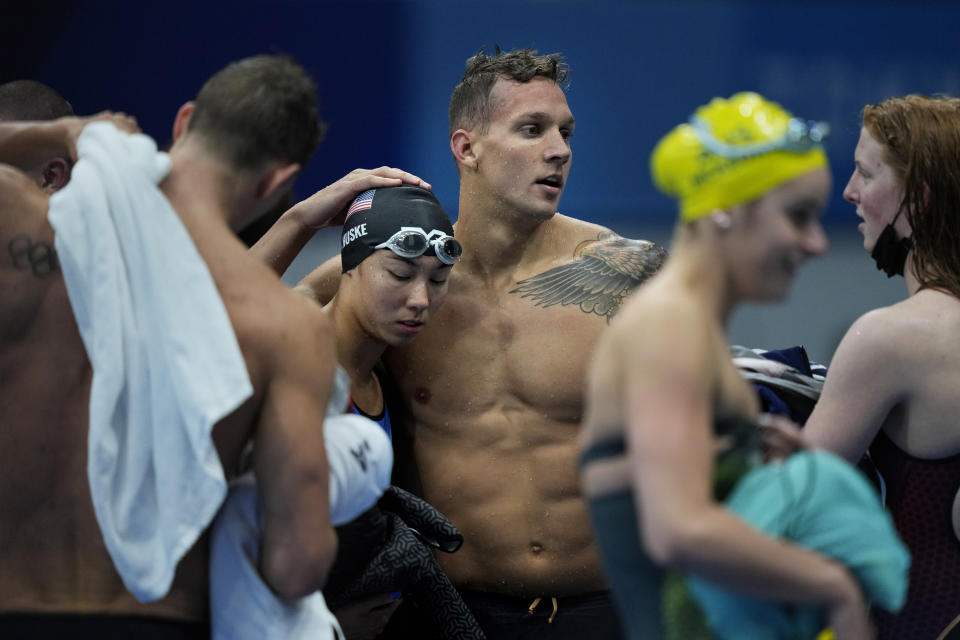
[166, 363]
[820, 502]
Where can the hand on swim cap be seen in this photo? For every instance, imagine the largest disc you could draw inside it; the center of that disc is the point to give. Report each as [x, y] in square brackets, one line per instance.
[699, 164]
[328, 207]
[377, 214]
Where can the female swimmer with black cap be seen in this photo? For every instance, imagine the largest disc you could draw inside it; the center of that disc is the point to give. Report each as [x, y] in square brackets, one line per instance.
[397, 252]
[892, 386]
[670, 424]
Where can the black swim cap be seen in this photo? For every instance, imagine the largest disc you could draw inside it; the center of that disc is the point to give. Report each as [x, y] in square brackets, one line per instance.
[377, 214]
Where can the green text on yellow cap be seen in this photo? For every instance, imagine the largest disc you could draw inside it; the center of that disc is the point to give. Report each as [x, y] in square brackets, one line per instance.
[732, 152]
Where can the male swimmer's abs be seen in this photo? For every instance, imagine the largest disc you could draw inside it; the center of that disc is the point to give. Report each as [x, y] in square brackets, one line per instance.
[518, 506]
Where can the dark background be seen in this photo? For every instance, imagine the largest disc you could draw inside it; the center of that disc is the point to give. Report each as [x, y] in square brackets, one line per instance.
[385, 71]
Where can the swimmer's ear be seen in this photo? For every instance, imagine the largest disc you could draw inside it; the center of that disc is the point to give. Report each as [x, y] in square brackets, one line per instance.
[461, 144]
[182, 120]
[722, 220]
[277, 178]
[55, 175]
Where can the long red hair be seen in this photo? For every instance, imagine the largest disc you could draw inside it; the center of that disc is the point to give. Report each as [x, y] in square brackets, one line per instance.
[921, 138]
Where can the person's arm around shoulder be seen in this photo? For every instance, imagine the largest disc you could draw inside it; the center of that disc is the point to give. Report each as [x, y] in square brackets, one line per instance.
[325, 208]
[864, 382]
[321, 284]
[289, 455]
[670, 390]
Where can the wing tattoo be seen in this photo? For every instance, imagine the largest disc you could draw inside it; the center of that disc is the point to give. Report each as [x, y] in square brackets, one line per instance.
[605, 271]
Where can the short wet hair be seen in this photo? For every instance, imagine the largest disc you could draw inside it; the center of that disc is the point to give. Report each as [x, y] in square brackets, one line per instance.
[470, 106]
[32, 100]
[257, 110]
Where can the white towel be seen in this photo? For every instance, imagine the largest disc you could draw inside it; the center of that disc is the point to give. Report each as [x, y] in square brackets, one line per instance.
[242, 606]
[340, 393]
[166, 364]
[360, 458]
[359, 455]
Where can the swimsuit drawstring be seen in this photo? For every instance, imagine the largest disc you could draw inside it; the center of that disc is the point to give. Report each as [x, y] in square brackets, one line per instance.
[534, 605]
[536, 602]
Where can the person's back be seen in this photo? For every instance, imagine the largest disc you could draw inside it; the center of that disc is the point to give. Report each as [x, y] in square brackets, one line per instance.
[917, 452]
[43, 409]
[220, 180]
[920, 331]
[62, 566]
[913, 404]
[52, 556]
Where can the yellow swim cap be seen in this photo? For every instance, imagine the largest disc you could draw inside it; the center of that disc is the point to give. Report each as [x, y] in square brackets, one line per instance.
[732, 151]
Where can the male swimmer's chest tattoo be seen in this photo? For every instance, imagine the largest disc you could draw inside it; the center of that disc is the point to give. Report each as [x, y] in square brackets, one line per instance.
[601, 276]
[40, 258]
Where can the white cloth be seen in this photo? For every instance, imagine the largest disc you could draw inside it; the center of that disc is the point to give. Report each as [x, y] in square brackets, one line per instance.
[340, 394]
[359, 455]
[166, 363]
[242, 606]
[360, 458]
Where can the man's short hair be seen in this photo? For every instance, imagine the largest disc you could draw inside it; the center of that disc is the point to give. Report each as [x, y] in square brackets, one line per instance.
[470, 106]
[259, 109]
[31, 100]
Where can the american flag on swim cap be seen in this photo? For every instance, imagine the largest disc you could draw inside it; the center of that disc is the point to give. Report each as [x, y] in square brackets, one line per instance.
[363, 201]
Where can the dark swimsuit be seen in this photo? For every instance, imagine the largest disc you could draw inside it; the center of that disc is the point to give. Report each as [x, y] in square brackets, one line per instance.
[383, 418]
[81, 627]
[920, 494]
[653, 603]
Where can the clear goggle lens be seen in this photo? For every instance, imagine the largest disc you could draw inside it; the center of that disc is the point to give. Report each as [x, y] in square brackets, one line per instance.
[413, 242]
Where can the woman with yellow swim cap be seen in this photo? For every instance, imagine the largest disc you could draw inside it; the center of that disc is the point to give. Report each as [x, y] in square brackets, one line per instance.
[670, 424]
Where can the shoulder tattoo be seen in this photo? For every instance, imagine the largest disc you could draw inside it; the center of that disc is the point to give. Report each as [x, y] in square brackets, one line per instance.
[603, 273]
[40, 258]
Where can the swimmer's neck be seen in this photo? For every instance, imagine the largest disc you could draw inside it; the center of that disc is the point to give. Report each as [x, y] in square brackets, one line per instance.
[199, 184]
[909, 277]
[357, 352]
[497, 243]
[696, 264]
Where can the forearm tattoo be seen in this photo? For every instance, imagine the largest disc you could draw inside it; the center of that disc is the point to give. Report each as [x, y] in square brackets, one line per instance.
[603, 274]
[40, 258]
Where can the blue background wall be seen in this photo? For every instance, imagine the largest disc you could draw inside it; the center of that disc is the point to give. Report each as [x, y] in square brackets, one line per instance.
[385, 71]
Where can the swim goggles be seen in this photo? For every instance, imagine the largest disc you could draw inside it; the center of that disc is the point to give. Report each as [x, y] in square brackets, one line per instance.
[800, 136]
[413, 242]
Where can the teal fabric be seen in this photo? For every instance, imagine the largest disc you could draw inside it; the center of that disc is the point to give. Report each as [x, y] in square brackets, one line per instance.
[654, 604]
[820, 502]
